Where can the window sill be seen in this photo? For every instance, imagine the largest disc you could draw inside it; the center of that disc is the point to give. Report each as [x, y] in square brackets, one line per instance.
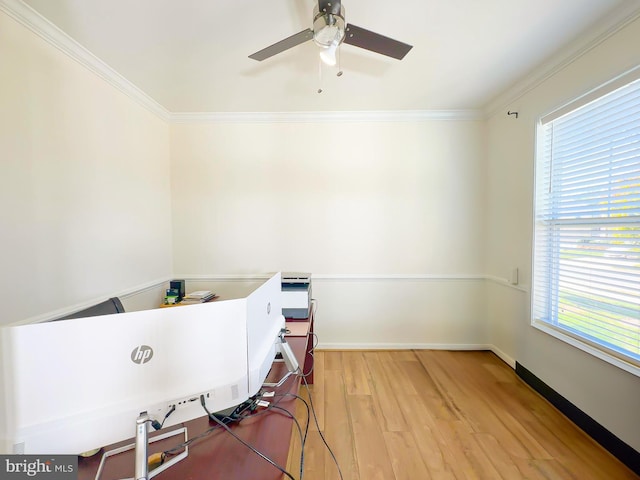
[560, 334]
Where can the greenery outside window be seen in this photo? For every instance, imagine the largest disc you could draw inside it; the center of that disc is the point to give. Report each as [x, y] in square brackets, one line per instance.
[586, 265]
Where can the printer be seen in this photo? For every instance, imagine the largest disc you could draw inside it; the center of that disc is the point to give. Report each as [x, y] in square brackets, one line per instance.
[296, 295]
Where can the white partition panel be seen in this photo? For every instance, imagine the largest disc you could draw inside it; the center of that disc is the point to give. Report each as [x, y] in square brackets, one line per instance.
[80, 384]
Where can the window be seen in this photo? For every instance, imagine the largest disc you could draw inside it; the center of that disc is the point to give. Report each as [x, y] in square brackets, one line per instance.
[586, 269]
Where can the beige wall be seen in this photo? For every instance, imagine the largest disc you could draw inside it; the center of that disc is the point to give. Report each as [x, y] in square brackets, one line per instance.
[606, 393]
[389, 200]
[84, 183]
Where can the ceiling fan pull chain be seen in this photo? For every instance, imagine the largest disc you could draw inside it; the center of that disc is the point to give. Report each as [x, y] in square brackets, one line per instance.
[338, 55]
[319, 75]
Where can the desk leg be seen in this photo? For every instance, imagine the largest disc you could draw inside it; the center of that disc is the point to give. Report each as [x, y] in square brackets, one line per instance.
[308, 357]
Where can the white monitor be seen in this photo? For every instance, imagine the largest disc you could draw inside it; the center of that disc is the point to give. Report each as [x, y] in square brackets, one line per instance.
[264, 322]
[71, 386]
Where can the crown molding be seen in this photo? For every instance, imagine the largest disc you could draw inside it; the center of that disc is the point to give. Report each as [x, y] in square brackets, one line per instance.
[326, 117]
[25, 15]
[596, 35]
[49, 32]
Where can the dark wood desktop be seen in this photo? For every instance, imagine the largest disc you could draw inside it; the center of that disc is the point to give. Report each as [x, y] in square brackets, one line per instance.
[219, 455]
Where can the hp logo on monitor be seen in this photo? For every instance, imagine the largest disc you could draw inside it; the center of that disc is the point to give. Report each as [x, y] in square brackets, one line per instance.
[141, 354]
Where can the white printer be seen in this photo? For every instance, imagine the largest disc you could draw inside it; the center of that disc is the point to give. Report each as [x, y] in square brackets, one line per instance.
[296, 295]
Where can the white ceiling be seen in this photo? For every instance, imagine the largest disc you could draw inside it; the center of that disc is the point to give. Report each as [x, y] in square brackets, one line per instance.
[192, 55]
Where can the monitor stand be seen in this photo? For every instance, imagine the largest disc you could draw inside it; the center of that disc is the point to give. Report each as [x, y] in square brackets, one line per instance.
[141, 448]
[288, 358]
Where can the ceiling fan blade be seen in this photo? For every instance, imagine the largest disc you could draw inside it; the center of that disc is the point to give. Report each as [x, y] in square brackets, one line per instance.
[283, 45]
[375, 42]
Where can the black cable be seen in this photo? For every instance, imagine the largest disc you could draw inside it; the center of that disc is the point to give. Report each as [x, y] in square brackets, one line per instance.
[310, 352]
[302, 439]
[171, 410]
[266, 409]
[177, 448]
[239, 414]
[274, 405]
[306, 404]
[304, 376]
[234, 416]
[315, 418]
[314, 309]
[250, 447]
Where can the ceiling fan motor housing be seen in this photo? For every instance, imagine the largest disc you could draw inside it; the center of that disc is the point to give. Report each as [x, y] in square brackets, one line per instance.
[328, 24]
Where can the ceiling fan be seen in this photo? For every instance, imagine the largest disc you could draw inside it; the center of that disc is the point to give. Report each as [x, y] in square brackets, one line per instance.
[330, 30]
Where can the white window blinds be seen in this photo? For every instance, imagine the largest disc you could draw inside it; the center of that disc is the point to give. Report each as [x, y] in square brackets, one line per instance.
[586, 272]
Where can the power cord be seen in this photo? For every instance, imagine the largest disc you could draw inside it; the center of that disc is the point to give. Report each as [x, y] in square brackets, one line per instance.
[314, 310]
[314, 304]
[239, 414]
[157, 425]
[303, 439]
[303, 376]
[250, 447]
[235, 416]
[310, 353]
[324, 440]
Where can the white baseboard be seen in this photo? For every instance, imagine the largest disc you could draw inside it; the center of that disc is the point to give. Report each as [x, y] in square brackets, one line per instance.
[503, 356]
[403, 346]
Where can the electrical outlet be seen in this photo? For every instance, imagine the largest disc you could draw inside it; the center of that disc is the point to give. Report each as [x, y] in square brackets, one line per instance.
[514, 277]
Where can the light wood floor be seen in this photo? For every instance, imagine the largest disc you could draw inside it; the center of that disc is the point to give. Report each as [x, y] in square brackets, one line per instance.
[396, 415]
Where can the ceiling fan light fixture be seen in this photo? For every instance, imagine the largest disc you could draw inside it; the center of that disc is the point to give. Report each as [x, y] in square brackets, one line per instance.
[328, 54]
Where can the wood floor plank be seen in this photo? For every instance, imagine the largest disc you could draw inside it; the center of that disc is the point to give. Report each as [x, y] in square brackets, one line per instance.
[465, 387]
[477, 457]
[499, 457]
[396, 355]
[333, 360]
[338, 430]
[398, 378]
[445, 416]
[356, 374]
[457, 459]
[433, 447]
[406, 460]
[535, 469]
[577, 448]
[314, 459]
[425, 386]
[384, 394]
[373, 458]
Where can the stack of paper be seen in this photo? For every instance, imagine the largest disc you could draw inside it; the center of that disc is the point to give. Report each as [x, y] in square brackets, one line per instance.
[199, 296]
